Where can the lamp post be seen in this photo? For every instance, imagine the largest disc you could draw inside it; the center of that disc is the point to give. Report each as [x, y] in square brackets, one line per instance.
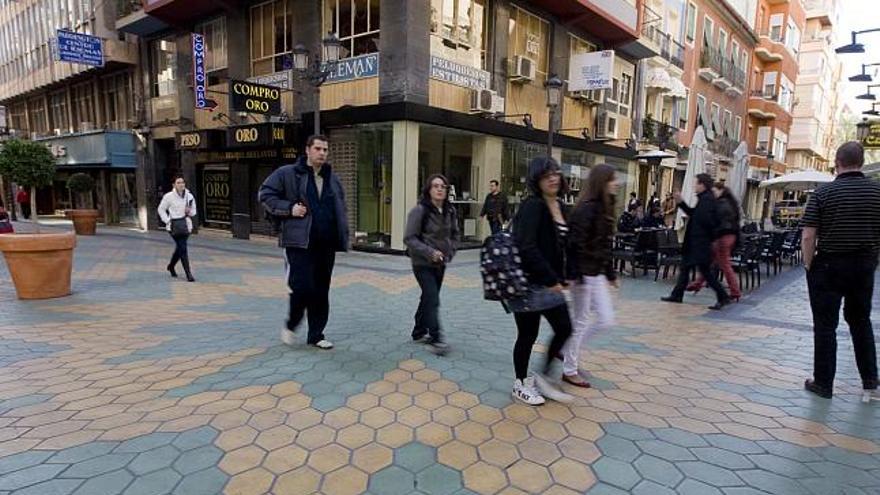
[316, 70]
[766, 209]
[554, 97]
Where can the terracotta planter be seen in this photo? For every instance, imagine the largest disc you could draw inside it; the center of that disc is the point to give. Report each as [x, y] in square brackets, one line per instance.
[40, 264]
[84, 221]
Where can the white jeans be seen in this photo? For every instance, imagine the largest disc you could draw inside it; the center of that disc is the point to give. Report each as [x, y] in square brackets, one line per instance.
[588, 294]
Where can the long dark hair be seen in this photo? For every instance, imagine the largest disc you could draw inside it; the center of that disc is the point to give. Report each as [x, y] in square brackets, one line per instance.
[597, 188]
[538, 168]
[426, 192]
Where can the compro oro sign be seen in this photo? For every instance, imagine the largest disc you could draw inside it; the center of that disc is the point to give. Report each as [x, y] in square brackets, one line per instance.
[254, 98]
[588, 71]
[872, 139]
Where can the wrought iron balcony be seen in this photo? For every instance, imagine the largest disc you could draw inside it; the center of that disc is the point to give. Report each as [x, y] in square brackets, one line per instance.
[659, 134]
[670, 49]
[126, 7]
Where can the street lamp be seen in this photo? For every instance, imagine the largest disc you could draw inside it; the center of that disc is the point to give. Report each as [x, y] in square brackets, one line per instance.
[766, 209]
[873, 111]
[868, 95]
[554, 98]
[855, 47]
[864, 76]
[318, 70]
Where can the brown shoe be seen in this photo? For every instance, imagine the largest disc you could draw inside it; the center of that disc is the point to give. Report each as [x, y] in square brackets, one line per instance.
[576, 380]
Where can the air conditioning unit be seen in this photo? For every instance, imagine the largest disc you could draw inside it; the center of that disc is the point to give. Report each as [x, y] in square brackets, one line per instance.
[522, 69]
[486, 101]
[592, 97]
[606, 126]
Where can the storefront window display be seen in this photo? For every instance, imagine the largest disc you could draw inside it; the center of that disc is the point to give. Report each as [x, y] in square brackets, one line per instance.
[374, 181]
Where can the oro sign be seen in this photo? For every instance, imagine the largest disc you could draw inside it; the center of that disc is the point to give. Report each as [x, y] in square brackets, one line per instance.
[200, 80]
[254, 98]
[589, 71]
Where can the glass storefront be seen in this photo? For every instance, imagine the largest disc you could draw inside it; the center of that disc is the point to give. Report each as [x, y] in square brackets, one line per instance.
[374, 180]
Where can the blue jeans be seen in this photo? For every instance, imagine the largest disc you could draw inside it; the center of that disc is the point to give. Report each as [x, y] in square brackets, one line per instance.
[427, 318]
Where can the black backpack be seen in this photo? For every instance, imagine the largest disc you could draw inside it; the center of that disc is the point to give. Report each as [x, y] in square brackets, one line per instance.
[503, 278]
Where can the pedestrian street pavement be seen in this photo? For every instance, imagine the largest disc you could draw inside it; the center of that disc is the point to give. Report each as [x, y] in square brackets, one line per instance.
[141, 384]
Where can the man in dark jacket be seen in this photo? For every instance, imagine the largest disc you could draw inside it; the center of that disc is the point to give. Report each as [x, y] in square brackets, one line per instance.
[697, 247]
[308, 200]
[495, 207]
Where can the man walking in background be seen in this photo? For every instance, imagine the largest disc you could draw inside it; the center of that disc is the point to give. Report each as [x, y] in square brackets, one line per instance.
[841, 242]
[495, 207]
[24, 202]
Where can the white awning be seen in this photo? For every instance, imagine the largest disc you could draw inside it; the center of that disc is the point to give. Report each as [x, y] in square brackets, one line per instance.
[658, 79]
[678, 90]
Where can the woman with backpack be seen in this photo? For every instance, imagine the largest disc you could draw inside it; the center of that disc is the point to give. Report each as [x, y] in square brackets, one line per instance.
[540, 232]
[176, 210]
[590, 266]
[431, 233]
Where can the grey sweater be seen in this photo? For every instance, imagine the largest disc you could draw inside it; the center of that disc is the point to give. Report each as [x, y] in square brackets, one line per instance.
[428, 230]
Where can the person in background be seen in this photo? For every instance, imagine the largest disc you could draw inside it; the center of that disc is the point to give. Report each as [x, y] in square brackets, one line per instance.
[697, 247]
[540, 233]
[634, 202]
[654, 220]
[23, 198]
[495, 209]
[431, 234]
[726, 239]
[654, 202]
[841, 242]
[589, 265]
[177, 209]
[308, 200]
[669, 208]
[628, 222]
[5, 223]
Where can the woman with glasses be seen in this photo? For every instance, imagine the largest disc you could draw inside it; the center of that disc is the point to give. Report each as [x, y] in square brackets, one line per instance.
[540, 233]
[431, 233]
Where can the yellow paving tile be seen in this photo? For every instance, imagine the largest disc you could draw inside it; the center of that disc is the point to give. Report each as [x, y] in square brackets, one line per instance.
[328, 458]
[315, 437]
[242, 459]
[498, 453]
[345, 481]
[304, 418]
[484, 478]
[372, 458]
[434, 434]
[253, 482]
[355, 436]
[529, 476]
[275, 438]
[414, 416]
[394, 435]
[572, 474]
[340, 418]
[285, 459]
[237, 437]
[457, 455]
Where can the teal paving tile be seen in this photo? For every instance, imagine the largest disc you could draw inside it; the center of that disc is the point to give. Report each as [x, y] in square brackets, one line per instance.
[415, 456]
[30, 476]
[665, 450]
[83, 452]
[145, 443]
[681, 438]
[327, 403]
[604, 489]
[618, 448]
[651, 488]
[438, 480]
[709, 474]
[159, 482]
[208, 482]
[197, 459]
[153, 460]
[392, 481]
[782, 466]
[850, 458]
[734, 444]
[193, 439]
[658, 470]
[106, 484]
[628, 431]
[98, 465]
[743, 490]
[790, 451]
[771, 483]
[52, 487]
[23, 460]
[825, 486]
[845, 474]
[694, 487]
[617, 473]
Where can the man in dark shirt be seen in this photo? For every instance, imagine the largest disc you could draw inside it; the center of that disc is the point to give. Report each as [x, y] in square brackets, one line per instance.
[841, 242]
[495, 207]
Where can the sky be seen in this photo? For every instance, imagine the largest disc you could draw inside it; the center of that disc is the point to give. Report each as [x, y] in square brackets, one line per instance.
[856, 15]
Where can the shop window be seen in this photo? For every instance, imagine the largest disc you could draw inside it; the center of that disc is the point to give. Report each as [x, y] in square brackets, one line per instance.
[271, 37]
[215, 44]
[58, 112]
[163, 68]
[118, 98]
[530, 37]
[356, 22]
[38, 116]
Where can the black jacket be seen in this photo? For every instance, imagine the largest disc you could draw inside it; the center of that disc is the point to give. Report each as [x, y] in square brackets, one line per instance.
[288, 186]
[590, 242]
[728, 217]
[427, 230]
[495, 207]
[541, 251]
[701, 228]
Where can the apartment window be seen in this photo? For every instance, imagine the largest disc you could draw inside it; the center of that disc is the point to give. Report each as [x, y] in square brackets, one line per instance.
[770, 84]
[117, 96]
[83, 97]
[763, 142]
[683, 110]
[625, 89]
[579, 46]
[793, 37]
[530, 37]
[357, 24]
[786, 93]
[163, 67]
[776, 26]
[38, 116]
[701, 111]
[734, 53]
[463, 24]
[722, 42]
[691, 26]
[726, 123]
[780, 145]
[738, 129]
[272, 38]
[215, 43]
[17, 114]
[708, 32]
[58, 111]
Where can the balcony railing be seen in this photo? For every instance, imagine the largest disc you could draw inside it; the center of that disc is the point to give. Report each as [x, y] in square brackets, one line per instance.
[670, 49]
[659, 134]
[760, 93]
[723, 146]
[734, 74]
[126, 7]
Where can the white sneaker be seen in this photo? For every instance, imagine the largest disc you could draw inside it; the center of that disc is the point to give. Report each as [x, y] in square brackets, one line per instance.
[287, 337]
[550, 390]
[324, 344]
[524, 391]
[868, 395]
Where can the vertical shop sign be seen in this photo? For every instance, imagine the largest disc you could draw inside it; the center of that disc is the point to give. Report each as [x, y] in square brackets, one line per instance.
[218, 198]
[199, 78]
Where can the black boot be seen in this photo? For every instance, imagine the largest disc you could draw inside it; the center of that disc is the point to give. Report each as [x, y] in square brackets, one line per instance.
[185, 261]
[172, 271]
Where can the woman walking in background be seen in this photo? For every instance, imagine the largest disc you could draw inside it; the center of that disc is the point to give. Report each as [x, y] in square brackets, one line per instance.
[431, 233]
[726, 239]
[540, 233]
[176, 210]
[590, 265]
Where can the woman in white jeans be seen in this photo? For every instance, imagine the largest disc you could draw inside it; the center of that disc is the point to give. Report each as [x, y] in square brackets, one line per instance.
[590, 267]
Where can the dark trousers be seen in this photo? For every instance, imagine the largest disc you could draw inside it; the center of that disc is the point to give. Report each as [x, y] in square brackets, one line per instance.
[527, 326]
[308, 278]
[684, 277]
[427, 318]
[495, 225]
[831, 280]
[25, 210]
[180, 253]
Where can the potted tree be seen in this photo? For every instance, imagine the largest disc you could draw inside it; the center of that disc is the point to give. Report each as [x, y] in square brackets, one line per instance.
[84, 215]
[40, 264]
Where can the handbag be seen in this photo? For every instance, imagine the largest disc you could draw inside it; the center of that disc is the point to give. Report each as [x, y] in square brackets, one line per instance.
[537, 298]
[179, 227]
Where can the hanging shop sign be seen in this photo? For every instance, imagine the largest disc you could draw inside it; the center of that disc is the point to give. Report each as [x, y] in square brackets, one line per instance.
[353, 68]
[79, 48]
[254, 98]
[287, 155]
[872, 139]
[589, 71]
[199, 140]
[216, 192]
[265, 135]
[459, 74]
[200, 80]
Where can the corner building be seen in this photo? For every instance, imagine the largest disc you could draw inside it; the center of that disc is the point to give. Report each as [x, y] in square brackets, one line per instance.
[425, 86]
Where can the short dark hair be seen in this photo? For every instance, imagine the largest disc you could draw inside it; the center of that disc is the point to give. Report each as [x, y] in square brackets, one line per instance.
[495, 181]
[316, 137]
[177, 176]
[850, 155]
[706, 180]
[633, 194]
